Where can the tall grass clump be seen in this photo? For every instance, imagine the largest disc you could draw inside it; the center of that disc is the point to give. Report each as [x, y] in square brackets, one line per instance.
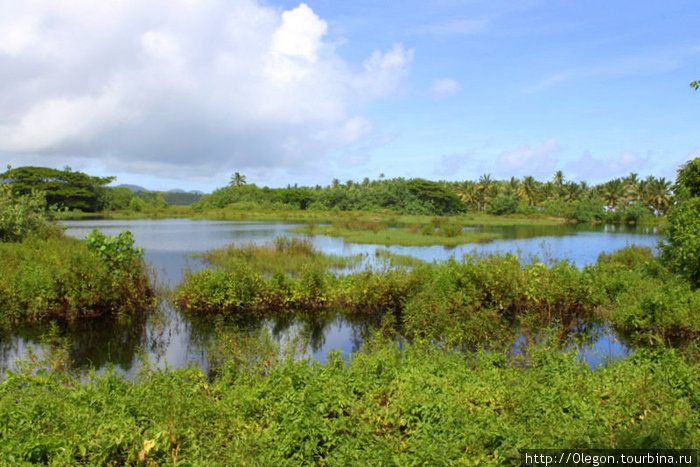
[60, 277]
[285, 255]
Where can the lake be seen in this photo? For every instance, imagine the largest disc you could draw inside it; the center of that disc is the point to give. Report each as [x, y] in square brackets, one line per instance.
[176, 341]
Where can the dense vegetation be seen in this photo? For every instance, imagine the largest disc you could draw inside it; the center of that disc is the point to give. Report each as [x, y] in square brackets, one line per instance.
[437, 383]
[44, 274]
[474, 302]
[62, 188]
[626, 199]
[416, 405]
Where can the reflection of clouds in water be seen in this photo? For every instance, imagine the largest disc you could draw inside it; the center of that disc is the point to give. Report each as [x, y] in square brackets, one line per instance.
[594, 344]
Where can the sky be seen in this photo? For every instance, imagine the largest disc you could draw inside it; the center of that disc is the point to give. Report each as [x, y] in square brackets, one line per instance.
[183, 93]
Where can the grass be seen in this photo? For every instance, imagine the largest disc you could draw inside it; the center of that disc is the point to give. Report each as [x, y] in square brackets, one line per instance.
[285, 255]
[394, 260]
[482, 300]
[397, 236]
[62, 278]
[391, 219]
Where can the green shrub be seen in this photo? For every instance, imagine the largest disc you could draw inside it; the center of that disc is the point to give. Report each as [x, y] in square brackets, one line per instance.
[117, 251]
[502, 205]
[450, 230]
[22, 215]
[60, 277]
[681, 252]
[411, 405]
[629, 257]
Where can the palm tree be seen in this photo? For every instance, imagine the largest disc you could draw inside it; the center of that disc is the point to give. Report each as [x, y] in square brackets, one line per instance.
[585, 189]
[237, 179]
[558, 178]
[484, 189]
[613, 192]
[632, 188]
[659, 195]
[548, 191]
[571, 191]
[529, 189]
[468, 193]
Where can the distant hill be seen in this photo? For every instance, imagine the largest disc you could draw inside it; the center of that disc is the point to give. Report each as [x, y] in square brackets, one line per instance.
[181, 198]
[134, 188]
[176, 196]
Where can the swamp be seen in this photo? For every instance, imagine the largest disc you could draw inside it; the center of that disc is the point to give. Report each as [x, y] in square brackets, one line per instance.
[190, 340]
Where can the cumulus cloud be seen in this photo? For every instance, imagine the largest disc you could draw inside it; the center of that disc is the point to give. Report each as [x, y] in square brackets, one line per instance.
[180, 87]
[443, 87]
[524, 160]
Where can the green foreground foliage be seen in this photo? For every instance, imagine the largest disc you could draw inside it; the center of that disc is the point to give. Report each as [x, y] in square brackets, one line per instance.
[682, 251]
[22, 215]
[45, 275]
[388, 406]
[62, 278]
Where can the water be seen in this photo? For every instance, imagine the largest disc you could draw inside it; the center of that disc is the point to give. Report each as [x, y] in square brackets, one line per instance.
[176, 341]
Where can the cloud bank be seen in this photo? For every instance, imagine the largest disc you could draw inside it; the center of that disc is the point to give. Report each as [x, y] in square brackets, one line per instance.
[180, 88]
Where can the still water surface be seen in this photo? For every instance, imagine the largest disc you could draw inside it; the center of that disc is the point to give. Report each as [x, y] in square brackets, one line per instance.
[176, 341]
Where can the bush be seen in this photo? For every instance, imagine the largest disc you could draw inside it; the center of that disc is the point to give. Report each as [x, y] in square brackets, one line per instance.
[450, 230]
[502, 205]
[22, 215]
[117, 251]
[59, 277]
[681, 252]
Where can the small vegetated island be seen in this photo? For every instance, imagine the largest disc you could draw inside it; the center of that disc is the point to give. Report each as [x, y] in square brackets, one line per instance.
[437, 383]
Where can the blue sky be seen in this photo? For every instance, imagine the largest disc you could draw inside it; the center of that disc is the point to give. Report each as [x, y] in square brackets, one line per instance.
[185, 92]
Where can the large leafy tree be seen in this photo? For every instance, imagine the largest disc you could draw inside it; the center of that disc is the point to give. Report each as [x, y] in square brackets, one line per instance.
[62, 188]
[443, 200]
[682, 250]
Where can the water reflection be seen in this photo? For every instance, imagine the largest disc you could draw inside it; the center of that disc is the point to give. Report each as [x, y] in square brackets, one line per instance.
[175, 340]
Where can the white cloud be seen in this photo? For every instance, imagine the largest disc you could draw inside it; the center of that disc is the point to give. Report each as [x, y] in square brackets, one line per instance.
[300, 34]
[597, 170]
[443, 87]
[524, 160]
[180, 88]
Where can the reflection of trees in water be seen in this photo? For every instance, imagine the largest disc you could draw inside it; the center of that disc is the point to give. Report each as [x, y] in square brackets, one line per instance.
[311, 327]
[89, 344]
[8, 348]
[105, 340]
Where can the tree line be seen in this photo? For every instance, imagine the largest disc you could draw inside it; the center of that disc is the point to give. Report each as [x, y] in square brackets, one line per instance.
[78, 191]
[621, 199]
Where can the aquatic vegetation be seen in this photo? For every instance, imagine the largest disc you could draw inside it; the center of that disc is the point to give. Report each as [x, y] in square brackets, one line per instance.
[373, 233]
[416, 404]
[60, 277]
[481, 300]
[288, 255]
